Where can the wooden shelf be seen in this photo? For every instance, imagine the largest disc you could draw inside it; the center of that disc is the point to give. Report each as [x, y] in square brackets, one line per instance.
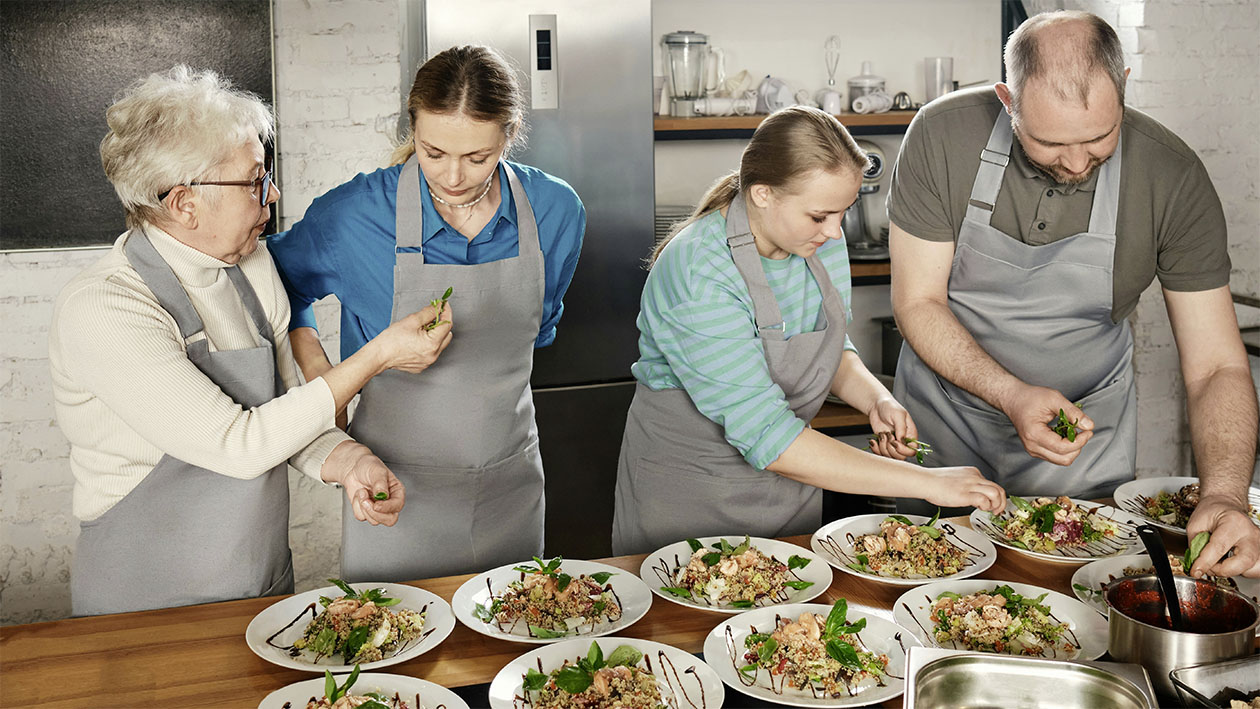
[840, 416]
[870, 269]
[701, 127]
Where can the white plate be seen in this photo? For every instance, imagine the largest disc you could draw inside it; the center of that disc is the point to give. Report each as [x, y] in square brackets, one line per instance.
[834, 543]
[438, 623]
[724, 647]
[685, 682]
[1125, 540]
[431, 696]
[1093, 575]
[913, 610]
[1129, 498]
[660, 568]
[632, 594]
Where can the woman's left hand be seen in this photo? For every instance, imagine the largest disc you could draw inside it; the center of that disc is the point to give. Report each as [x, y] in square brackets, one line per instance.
[892, 425]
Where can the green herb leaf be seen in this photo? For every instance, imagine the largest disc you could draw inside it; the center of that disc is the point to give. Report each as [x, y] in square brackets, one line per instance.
[534, 680]
[797, 562]
[741, 604]
[932, 532]
[601, 577]
[598, 607]
[935, 517]
[749, 672]
[562, 582]
[387, 602]
[754, 638]
[546, 633]
[725, 547]
[766, 651]
[595, 656]
[573, 680]
[372, 704]
[480, 612]
[625, 656]
[948, 594]
[837, 618]
[843, 653]
[325, 643]
[900, 518]
[858, 567]
[1022, 504]
[743, 546]
[712, 558]
[345, 588]
[851, 629]
[325, 601]
[695, 545]
[1194, 549]
[354, 642]
[330, 686]
[677, 591]
[798, 585]
[381, 496]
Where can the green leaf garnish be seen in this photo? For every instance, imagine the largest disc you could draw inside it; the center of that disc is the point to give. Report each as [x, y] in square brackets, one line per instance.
[345, 588]
[797, 562]
[439, 304]
[546, 633]
[712, 558]
[573, 680]
[562, 582]
[534, 680]
[381, 496]
[695, 545]
[749, 671]
[1194, 549]
[901, 518]
[595, 656]
[480, 612]
[798, 585]
[741, 604]
[843, 653]
[766, 651]
[354, 642]
[677, 591]
[625, 656]
[837, 618]
[601, 577]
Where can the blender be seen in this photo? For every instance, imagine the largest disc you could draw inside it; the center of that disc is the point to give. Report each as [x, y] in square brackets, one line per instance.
[685, 53]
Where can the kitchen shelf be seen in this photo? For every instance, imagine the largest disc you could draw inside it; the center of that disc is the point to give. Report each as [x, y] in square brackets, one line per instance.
[718, 127]
[870, 273]
[841, 419]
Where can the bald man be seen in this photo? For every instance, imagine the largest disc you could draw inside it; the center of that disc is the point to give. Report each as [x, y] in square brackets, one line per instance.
[1027, 219]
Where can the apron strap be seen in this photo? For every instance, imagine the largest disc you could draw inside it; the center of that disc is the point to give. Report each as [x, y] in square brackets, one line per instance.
[993, 160]
[407, 215]
[528, 247]
[253, 306]
[744, 252]
[1103, 215]
[158, 276]
[827, 288]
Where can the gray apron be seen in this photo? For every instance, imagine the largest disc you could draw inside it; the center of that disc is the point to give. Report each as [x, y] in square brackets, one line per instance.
[679, 477]
[1043, 313]
[186, 535]
[461, 435]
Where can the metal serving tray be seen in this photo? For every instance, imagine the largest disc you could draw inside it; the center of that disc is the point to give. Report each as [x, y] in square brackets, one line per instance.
[939, 679]
[1198, 686]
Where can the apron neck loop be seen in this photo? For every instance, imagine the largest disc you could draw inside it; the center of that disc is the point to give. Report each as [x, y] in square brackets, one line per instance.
[408, 214]
[1103, 214]
[748, 261]
[993, 161]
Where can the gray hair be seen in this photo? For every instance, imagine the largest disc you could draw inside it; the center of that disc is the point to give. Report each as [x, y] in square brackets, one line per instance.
[172, 128]
[1068, 64]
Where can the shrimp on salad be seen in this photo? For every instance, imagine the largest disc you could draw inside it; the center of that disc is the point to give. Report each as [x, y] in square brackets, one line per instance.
[360, 626]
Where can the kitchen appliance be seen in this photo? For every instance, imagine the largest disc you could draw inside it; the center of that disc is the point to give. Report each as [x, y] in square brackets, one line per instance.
[863, 246]
[939, 677]
[1220, 622]
[594, 131]
[829, 98]
[685, 54]
[864, 83]
[1216, 684]
[938, 77]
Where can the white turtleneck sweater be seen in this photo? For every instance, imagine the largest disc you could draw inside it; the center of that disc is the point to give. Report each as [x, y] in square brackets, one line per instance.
[126, 392]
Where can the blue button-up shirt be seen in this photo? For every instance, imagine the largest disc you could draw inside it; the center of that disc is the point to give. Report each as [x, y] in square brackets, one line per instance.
[345, 245]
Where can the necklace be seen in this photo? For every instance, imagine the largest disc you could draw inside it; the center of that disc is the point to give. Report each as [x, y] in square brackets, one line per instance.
[465, 205]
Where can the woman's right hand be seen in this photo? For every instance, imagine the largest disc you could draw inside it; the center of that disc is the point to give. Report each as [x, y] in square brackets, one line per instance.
[407, 346]
[963, 486]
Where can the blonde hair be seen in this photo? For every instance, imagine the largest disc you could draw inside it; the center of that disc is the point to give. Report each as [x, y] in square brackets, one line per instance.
[172, 128]
[788, 145]
[472, 80]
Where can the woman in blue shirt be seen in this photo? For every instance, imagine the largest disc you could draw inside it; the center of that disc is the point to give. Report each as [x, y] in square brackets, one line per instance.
[449, 212]
[742, 336]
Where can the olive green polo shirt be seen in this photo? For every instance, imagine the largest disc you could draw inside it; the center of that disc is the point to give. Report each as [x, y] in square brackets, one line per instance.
[1170, 222]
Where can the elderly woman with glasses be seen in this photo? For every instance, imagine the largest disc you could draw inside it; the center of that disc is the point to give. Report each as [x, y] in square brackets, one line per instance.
[173, 374]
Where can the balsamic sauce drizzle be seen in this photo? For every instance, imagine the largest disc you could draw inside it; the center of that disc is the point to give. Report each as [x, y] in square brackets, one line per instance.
[668, 576]
[295, 652]
[1054, 650]
[848, 553]
[523, 700]
[1126, 534]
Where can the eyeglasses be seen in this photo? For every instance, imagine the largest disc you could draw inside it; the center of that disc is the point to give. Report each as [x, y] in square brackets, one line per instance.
[262, 184]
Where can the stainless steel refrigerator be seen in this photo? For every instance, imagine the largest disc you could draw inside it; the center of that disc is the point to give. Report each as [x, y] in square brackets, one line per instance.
[587, 69]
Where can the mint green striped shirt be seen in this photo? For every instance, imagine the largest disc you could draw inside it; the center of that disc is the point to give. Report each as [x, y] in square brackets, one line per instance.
[697, 332]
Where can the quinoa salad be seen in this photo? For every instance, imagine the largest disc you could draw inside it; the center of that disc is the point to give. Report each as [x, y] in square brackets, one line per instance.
[903, 549]
[823, 656]
[550, 603]
[338, 696]
[593, 681]
[1047, 524]
[1000, 620]
[360, 626]
[739, 576]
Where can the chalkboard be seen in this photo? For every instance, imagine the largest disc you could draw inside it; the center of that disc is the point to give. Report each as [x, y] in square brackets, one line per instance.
[63, 63]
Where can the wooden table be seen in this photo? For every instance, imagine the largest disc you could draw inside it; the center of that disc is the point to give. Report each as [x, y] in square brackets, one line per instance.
[197, 656]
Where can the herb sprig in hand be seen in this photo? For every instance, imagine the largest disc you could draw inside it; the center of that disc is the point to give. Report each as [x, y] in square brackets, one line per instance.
[439, 304]
[1064, 427]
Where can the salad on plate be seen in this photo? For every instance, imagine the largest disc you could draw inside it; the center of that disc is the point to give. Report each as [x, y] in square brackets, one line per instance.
[1001, 620]
[338, 696]
[595, 681]
[903, 549]
[739, 576]
[551, 603]
[359, 626]
[1047, 524]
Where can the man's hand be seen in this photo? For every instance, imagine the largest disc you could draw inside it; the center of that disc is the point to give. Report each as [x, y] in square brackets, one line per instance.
[365, 479]
[1032, 409]
[963, 487]
[1231, 527]
[891, 424]
[406, 345]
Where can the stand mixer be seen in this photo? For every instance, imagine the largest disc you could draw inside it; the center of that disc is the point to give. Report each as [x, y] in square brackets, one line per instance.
[863, 245]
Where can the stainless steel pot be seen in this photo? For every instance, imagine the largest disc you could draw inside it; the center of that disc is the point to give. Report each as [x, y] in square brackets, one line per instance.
[1220, 625]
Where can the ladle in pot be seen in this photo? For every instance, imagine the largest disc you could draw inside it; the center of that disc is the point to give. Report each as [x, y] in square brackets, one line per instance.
[1159, 558]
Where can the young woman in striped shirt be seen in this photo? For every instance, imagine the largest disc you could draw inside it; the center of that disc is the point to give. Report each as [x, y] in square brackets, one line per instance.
[742, 336]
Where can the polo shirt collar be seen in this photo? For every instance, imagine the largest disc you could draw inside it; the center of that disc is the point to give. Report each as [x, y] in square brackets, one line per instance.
[433, 222]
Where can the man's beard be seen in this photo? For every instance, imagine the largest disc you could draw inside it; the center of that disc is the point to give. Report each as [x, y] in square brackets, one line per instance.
[1064, 178]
